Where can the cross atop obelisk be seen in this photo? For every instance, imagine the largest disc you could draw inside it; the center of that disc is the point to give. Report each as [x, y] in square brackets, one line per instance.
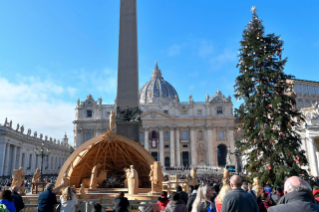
[127, 79]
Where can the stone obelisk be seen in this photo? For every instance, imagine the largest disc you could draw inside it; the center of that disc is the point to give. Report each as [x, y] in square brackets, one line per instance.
[127, 78]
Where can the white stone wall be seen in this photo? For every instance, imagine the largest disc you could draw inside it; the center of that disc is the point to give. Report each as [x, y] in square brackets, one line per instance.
[16, 148]
[171, 118]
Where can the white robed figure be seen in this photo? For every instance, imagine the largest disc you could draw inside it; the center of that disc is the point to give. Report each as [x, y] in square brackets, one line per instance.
[133, 181]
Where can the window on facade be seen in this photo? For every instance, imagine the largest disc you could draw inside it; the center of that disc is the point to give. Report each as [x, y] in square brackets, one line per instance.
[89, 113]
[166, 146]
[317, 91]
[300, 103]
[51, 162]
[221, 135]
[166, 136]
[88, 136]
[312, 90]
[184, 135]
[184, 112]
[199, 112]
[305, 89]
[166, 111]
[142, 136]
[297, 88]
[219, 110]
[56, 162]
[307, 103]
[167, 161]
[185, 146]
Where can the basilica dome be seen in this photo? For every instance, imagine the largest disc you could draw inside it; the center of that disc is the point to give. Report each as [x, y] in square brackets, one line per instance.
[157, 90]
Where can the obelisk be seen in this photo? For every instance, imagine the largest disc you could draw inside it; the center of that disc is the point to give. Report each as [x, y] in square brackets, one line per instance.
[127, 78]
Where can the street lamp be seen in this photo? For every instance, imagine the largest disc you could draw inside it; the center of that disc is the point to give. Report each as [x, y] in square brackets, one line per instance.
[42, 152]
[236, 153]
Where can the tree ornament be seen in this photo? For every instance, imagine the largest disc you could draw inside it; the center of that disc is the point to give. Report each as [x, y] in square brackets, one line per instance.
[269, 167]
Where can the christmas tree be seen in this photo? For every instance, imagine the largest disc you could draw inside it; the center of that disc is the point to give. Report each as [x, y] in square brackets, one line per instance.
[268, 118]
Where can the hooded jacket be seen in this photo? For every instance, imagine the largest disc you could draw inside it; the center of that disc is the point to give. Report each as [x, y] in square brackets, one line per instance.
[176, 206]
[9, 204]
[296, 201]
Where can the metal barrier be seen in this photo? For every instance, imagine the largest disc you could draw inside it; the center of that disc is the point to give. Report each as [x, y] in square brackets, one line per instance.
[86, 205]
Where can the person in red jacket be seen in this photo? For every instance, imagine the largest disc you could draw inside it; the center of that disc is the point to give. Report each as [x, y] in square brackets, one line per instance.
[316, 193]
[163, 200]
[265, 202]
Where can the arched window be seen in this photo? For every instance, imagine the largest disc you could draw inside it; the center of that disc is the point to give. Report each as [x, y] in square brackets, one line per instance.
[307, 103]
[300, 103]
[184, 135]
[88, 136]
[167, 161]
[166, 136]
[221, 135]
[221, 154]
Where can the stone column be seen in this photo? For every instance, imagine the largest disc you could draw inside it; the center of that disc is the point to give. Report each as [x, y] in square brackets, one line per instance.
[4, 155]
[209, 141]
[214, 140]
[146, 139]
[172, 147]
[161, 143]
[178, 150]
[230, 139]
[13, 166]
[193, 146]
[314, 163]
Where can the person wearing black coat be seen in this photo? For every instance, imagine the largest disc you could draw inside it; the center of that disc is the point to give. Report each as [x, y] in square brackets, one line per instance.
[121, 203]
[191, 199]
[47, 199]
[18, 201]
[298, 197]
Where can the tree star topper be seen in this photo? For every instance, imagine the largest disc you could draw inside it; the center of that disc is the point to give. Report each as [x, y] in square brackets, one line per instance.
[253, 9]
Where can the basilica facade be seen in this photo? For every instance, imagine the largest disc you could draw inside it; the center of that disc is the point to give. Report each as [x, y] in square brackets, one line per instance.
[17, 147]
[175, 133]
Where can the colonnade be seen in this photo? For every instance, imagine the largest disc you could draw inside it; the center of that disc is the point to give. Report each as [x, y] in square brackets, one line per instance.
[208, 143]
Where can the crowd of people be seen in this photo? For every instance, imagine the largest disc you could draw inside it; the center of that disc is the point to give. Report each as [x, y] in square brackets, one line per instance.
[234, 195]
[214, 193]
[7, 181]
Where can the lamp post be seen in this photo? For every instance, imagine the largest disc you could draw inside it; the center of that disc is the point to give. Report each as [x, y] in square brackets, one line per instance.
[236, 153]
[42, 152]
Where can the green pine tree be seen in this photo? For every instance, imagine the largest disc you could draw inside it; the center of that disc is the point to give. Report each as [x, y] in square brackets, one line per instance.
[268, 118]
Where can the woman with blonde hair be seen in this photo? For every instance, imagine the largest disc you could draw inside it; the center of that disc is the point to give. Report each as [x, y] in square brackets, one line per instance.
[257, 186]
[225, 190]
[68, 200]
[203, 201]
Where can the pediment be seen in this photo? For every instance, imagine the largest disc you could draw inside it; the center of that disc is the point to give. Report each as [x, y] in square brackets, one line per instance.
[155, 114]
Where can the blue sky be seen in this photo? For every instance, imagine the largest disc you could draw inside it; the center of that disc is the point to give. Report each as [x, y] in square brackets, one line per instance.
[54, 52]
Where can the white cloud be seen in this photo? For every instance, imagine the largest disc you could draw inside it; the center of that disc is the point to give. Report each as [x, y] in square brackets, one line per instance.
[174, 50]
[37, 105]
[104, 81]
